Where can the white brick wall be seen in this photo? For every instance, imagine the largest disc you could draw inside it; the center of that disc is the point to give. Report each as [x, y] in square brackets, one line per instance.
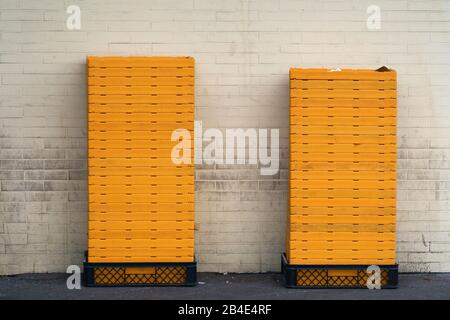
[243, 50]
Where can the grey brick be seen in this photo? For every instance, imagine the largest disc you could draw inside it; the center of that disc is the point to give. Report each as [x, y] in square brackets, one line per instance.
[56, 175]
[77, 174]
[65, 164]
[22, 164]
[34, 175]
[13, 185]
[34, 185]
[43, 154]
[11, 175]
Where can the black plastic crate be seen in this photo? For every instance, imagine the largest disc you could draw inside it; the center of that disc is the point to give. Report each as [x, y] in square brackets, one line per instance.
[140, 274]
[334, 276]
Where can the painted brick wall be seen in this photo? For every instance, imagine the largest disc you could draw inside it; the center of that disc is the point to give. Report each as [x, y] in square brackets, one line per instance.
[243, 49]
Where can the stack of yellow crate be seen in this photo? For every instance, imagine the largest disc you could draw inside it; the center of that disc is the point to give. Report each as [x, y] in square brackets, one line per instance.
[141, 204]
[342, 167]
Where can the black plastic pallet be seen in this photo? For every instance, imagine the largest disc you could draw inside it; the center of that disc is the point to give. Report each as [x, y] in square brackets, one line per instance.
[335, 276]
[140, 274]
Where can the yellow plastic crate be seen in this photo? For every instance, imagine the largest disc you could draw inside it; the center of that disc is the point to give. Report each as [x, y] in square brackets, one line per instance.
[141, 205]
[342, 186]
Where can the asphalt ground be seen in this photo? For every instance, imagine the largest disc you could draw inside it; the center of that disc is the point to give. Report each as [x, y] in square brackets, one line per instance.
[267, 286]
